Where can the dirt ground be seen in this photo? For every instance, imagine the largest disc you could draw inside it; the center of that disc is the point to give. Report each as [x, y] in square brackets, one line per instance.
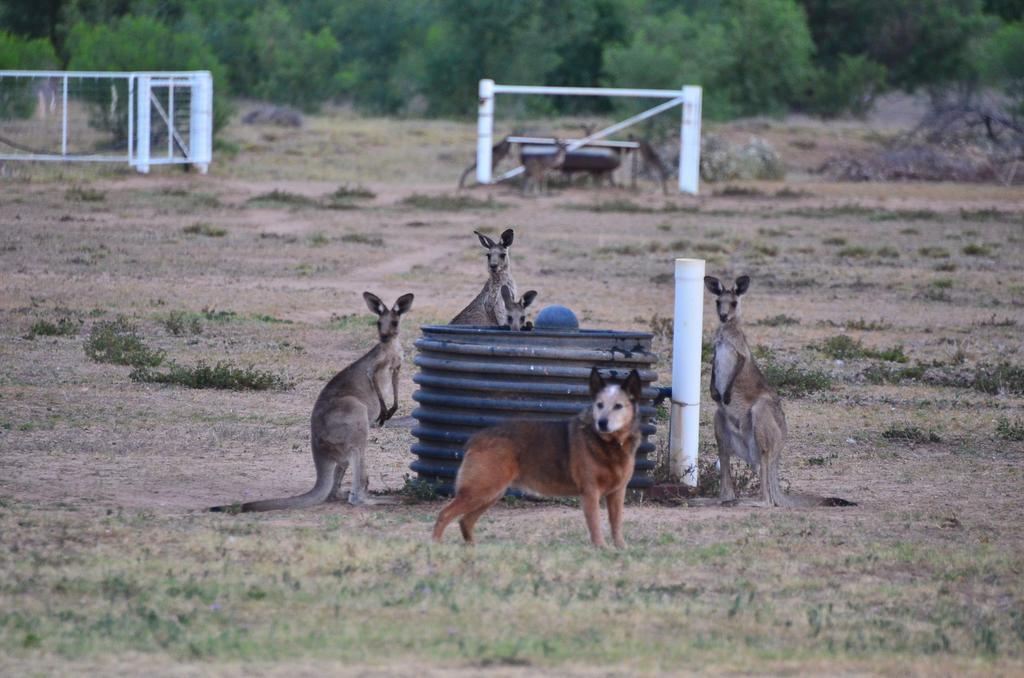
[103, 480]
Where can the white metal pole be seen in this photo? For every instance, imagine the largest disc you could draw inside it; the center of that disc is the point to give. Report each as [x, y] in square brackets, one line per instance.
[142, 127]
[689, 141]
[200, 133]
[484, 132]
[131, 118]
[64, 120]
[688, 325]
[170, 120]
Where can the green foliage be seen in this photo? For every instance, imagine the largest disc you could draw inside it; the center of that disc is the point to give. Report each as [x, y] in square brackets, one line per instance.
[180, 323]
[17, 97]
[1010, 429]
[1002, 62]
[450, 203]
[118, 342]
[139, 44]
[851, 88]
[844, 347]
[220, 376]
[205, 228]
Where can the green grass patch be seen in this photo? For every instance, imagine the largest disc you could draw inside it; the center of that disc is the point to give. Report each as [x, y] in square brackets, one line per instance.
[887, 252]
[219, 376]
[854, 252]
[904, 215]
[118, 342]
[933, 252]
[845, 347]
[352, 192]
[213, 315]
[278, 198]
[834, 240]
[1004, 377]
[450, 203]
[780, 320]
[989, 214]
[624, 205]
[205, 229]
[83, 194]
[887, 374]
[976, 250]
[363, 239]
[1010, 429]
[788, 379]
[910, 434]
[318, 239]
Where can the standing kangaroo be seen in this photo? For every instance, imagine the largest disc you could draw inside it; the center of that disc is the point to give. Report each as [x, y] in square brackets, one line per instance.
[536, 169]
[488, 308]
[749, 422]
[515, 311]
[341, 418]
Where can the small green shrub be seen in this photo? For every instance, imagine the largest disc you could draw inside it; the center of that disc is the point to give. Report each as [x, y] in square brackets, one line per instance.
[792, 380]
[766, 250]
[64, 327]
[219, 376]
[867, 325]
[419, 489]
[352, 192]
[976, 250]
[1004, 377]
[942, 283]
[1010, 430]
[934, 252]
[887, 252]
[835, 240]
[216, 316]
[318, 239]
[910, 434]
[118, 342]
[181, 323]
[886, 374]
[206, 229]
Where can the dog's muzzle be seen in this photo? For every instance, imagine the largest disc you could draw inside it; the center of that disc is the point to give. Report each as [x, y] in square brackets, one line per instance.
[602, 425]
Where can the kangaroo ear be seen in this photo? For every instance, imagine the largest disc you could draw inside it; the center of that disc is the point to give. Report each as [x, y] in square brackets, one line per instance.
[506, 296]
[374, 303]
[711, 282]
[596, 381]
[633, 386]
[742, 283]
[484, 240]
[529, 297]
[403, 304]
[506, 237]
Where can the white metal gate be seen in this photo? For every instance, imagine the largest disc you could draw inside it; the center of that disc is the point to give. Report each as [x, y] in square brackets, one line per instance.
[143, 119]
[689, 98]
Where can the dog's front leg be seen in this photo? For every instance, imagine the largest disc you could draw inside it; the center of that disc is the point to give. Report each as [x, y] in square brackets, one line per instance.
[616, 500]
[592, 512]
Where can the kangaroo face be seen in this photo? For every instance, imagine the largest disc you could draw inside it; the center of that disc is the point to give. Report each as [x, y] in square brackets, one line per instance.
[515, 311]
[497, 252]
[615, 404]
[388, 318]
[727, 302]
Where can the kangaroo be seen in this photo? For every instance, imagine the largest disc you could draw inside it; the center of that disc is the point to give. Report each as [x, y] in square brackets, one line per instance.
[653, 162]
[537, 166]
[749, 421]
[343, 412]
[499, 152]
[488, 308]
[515, 311]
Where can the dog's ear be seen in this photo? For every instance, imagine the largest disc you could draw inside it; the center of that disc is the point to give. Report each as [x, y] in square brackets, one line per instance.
[506, 296]
[596, 381]
[506, 237]
[403, 304]
[742, 284]
[711, 282]
[484, 240]
[529, 297]
[374, 303]
[633, 386]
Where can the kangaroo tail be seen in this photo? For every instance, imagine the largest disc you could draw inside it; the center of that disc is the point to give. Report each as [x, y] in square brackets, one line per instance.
[325, 469]
[465, 173]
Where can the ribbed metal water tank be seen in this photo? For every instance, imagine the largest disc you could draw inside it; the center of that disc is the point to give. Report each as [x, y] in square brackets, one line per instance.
[473, 377]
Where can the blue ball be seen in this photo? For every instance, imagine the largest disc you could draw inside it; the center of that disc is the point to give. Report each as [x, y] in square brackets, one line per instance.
[558, 318]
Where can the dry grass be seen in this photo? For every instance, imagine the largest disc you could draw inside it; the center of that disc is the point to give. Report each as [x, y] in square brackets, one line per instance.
[110, 565]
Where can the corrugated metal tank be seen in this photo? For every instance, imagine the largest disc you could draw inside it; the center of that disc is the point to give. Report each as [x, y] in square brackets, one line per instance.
[473, 377]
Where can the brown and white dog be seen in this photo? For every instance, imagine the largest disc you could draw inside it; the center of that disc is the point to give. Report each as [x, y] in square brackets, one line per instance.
[590, 455]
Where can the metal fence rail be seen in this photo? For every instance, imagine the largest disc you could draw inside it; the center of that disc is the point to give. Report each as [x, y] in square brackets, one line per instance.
[142, 119]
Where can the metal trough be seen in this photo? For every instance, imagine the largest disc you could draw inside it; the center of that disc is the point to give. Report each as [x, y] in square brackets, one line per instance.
[474, 377]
